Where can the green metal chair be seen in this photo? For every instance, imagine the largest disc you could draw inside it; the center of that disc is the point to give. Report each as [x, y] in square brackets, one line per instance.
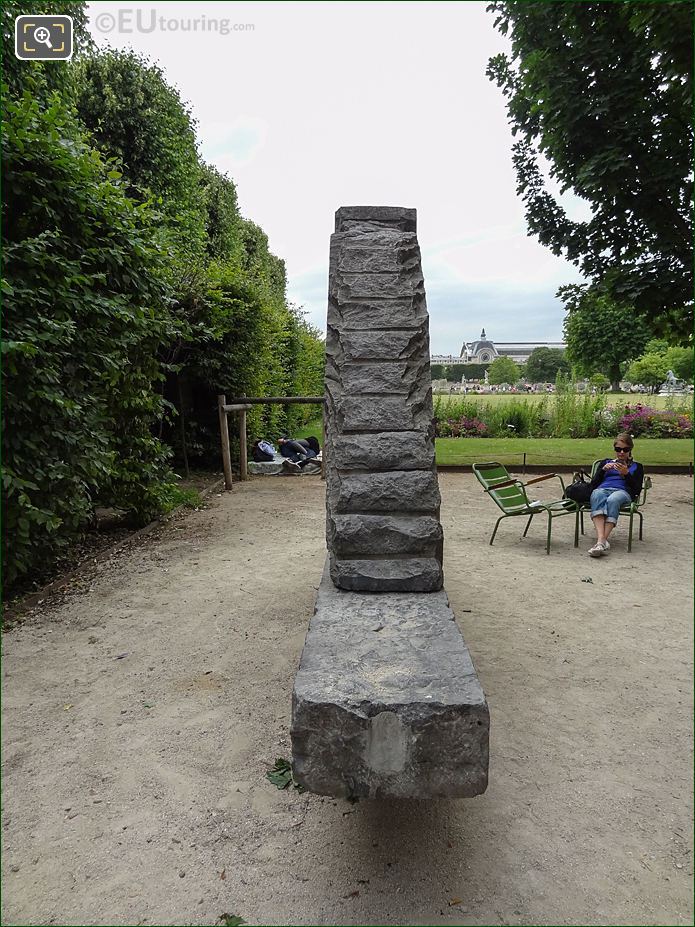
[509, 495]
[629, 508]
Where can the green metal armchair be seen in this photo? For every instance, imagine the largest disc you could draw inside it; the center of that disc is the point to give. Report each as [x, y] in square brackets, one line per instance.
[509, 495]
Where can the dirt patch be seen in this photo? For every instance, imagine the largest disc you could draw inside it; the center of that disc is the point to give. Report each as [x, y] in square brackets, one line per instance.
[72, 571]
[141, 716]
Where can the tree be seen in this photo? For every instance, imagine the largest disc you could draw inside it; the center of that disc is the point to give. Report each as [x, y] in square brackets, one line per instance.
[86, 311]
[140, 120]
[649, 370]
[503, 370]
[603, 92]
[658, 358]
[680, 360]
[601, 335]
[544, 363]
[599, 382]
[41, 78]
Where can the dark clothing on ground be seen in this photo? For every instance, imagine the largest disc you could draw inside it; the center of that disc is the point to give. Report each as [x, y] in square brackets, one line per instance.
[296, 449]
[300, 450]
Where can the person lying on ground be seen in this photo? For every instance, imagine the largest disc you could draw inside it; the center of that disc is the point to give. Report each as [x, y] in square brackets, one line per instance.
[616, 482]
[298, 452]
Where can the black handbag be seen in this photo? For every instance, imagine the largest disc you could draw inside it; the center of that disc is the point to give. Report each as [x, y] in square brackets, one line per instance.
[580, 490]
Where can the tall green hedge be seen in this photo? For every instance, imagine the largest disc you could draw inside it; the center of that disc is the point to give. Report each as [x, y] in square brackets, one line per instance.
[85, 315]
[134, 292]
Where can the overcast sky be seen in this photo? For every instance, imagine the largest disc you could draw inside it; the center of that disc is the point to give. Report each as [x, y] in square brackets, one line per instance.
[322, 105]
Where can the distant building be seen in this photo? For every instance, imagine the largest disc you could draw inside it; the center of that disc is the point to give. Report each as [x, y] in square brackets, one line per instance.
[484, 351]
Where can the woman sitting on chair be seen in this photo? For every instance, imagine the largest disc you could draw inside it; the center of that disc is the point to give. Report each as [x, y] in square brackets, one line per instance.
[616, 482]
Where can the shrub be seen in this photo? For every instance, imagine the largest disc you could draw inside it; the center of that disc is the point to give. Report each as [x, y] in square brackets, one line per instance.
[461, 428]
[85, 315]
[645, 422]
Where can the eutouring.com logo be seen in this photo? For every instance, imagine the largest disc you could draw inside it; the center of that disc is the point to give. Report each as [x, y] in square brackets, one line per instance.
[43, 38]
[138, 20]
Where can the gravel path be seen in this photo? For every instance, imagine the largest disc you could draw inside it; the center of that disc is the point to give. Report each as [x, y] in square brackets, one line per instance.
[141, 716]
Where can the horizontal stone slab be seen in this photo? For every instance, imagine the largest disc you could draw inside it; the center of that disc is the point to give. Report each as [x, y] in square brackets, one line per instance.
[406, 574]
[386, 702]
[383, 413]
[392, 491]
[380, 378]
[398, 450]
[374, 314]
[376, 260]
[373, 285]
[384, 345]
[397, 217]
[384, 535]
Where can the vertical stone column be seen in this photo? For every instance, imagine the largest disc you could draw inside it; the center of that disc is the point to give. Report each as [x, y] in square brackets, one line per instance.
[383, 500]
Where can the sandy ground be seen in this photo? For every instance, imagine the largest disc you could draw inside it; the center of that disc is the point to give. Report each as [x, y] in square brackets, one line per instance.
[141, 716]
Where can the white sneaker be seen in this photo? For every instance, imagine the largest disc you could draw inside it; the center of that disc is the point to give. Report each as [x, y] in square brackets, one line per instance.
[598, 550]
[606, 546]
[291, 465]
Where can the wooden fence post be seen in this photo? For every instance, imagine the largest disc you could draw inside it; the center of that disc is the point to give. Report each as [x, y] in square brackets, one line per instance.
[224, 437]
[243, 462]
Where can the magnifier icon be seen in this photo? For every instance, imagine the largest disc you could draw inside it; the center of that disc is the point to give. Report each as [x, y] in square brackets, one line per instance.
[43, 35]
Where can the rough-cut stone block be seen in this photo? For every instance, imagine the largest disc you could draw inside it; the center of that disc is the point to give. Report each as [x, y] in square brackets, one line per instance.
[385, 535]
[374, 314]
[399, 450]
[377, 378]
[392, 491]
[378, 387]
[383, 413]
[374, 286]
[393, 217]
[384, 378]
[380, 260]
[407, 574]
[386, 703]
[382, 345]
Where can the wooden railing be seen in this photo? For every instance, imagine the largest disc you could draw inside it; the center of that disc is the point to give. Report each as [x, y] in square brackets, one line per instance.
[241, 405]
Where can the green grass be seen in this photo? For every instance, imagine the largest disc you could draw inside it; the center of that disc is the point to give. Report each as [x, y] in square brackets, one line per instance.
[678, 403]
[546, 452]
[558, 452]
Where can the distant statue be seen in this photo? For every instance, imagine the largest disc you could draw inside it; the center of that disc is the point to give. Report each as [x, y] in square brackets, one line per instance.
[487, 381]
[671, 385]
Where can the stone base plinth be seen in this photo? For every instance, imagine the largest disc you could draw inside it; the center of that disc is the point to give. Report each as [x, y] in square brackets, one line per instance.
[386, 702]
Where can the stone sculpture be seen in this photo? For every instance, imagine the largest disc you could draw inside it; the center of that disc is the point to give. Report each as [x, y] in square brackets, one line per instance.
[386, 702]
[382, 494]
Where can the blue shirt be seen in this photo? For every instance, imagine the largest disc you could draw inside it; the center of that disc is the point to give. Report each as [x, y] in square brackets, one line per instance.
[613, 480]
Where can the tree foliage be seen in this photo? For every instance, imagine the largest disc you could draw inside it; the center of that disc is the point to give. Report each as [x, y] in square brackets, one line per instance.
[649, 370]
[134, 293]
[652, 367]
[503, 370]
[42, 78]
[603, 92]
[601, 336]
[544, 364]
[138, 119]
[85, 315]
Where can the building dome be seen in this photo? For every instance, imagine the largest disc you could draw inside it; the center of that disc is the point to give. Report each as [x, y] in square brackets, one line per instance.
[482, 351]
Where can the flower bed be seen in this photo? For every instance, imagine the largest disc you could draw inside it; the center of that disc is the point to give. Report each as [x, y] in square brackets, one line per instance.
[566, 415]
[643, 421]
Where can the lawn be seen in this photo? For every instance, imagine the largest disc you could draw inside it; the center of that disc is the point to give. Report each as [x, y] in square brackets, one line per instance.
[546, 452]
[558, 452]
